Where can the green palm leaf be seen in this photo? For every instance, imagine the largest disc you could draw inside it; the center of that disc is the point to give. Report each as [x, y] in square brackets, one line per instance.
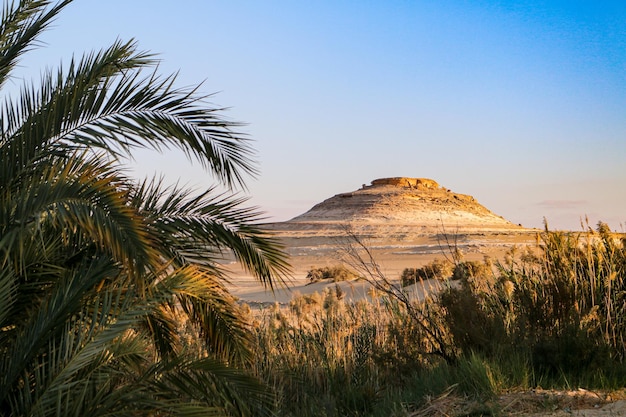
[48, 319]
[77, 195]
[104, 101]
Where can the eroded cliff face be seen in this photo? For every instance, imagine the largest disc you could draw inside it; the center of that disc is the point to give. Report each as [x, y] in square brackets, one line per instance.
[410, 183]
[402, 204]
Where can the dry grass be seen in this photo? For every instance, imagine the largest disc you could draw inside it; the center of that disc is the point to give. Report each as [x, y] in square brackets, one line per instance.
[554, 316]
[518, 403]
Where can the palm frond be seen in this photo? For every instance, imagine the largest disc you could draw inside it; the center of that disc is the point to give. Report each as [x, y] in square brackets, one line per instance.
[163, 326]
[104, 101]
[49, 319]
[80, 196]
[19, 27]
[90, 345]
[112, 297]
[211, 311]
[8, 293]
[205, 228]
[33, 127]
[210, 382]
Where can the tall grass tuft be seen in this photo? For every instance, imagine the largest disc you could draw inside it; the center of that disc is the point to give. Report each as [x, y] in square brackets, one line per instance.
[562, 304]
[335, 358]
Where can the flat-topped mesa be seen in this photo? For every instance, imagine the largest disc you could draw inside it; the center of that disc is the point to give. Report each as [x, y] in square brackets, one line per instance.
[406, 182]
[410, 205]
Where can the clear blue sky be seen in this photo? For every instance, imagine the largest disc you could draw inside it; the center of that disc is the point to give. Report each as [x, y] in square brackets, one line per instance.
[521, 104]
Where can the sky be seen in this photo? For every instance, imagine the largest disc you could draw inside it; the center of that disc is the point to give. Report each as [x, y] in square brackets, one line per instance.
[521, 104]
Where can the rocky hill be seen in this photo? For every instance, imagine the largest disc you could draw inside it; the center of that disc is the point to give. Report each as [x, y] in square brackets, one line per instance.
[396, 208]
[404, 222]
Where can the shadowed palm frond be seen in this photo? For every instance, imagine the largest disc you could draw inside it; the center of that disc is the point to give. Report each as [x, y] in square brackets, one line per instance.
[79, 195]
[234, 392]
[97, 363]
[214, 313]
[48, 320]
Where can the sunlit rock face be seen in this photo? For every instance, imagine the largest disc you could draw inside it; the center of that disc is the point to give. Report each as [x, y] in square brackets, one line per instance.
[416, 183]
[399, 205]
[402, 221]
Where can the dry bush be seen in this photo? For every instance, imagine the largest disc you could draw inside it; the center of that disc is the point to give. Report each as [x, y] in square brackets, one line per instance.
[437, 269]
[319, 353]
[468, 270]
[333, 273]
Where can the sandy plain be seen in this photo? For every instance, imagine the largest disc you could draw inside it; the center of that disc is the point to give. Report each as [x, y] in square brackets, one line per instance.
[393, 256]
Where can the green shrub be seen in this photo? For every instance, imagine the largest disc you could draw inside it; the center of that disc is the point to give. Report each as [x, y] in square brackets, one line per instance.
[564, 306]
[474, 327]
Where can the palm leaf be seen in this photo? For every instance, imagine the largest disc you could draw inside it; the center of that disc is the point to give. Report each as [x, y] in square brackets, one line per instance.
[8, 293]
[79, 195]
[32, 128]
[210, 382]
[19, 27]
[49, 320]
[214, 312]
[97, 271]
[205, 228]
[104, 101]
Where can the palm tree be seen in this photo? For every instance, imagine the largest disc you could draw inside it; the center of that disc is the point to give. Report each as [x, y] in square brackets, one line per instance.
[112, 299]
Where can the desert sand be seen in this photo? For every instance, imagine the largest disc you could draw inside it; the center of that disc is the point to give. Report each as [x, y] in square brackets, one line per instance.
[392, 257]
